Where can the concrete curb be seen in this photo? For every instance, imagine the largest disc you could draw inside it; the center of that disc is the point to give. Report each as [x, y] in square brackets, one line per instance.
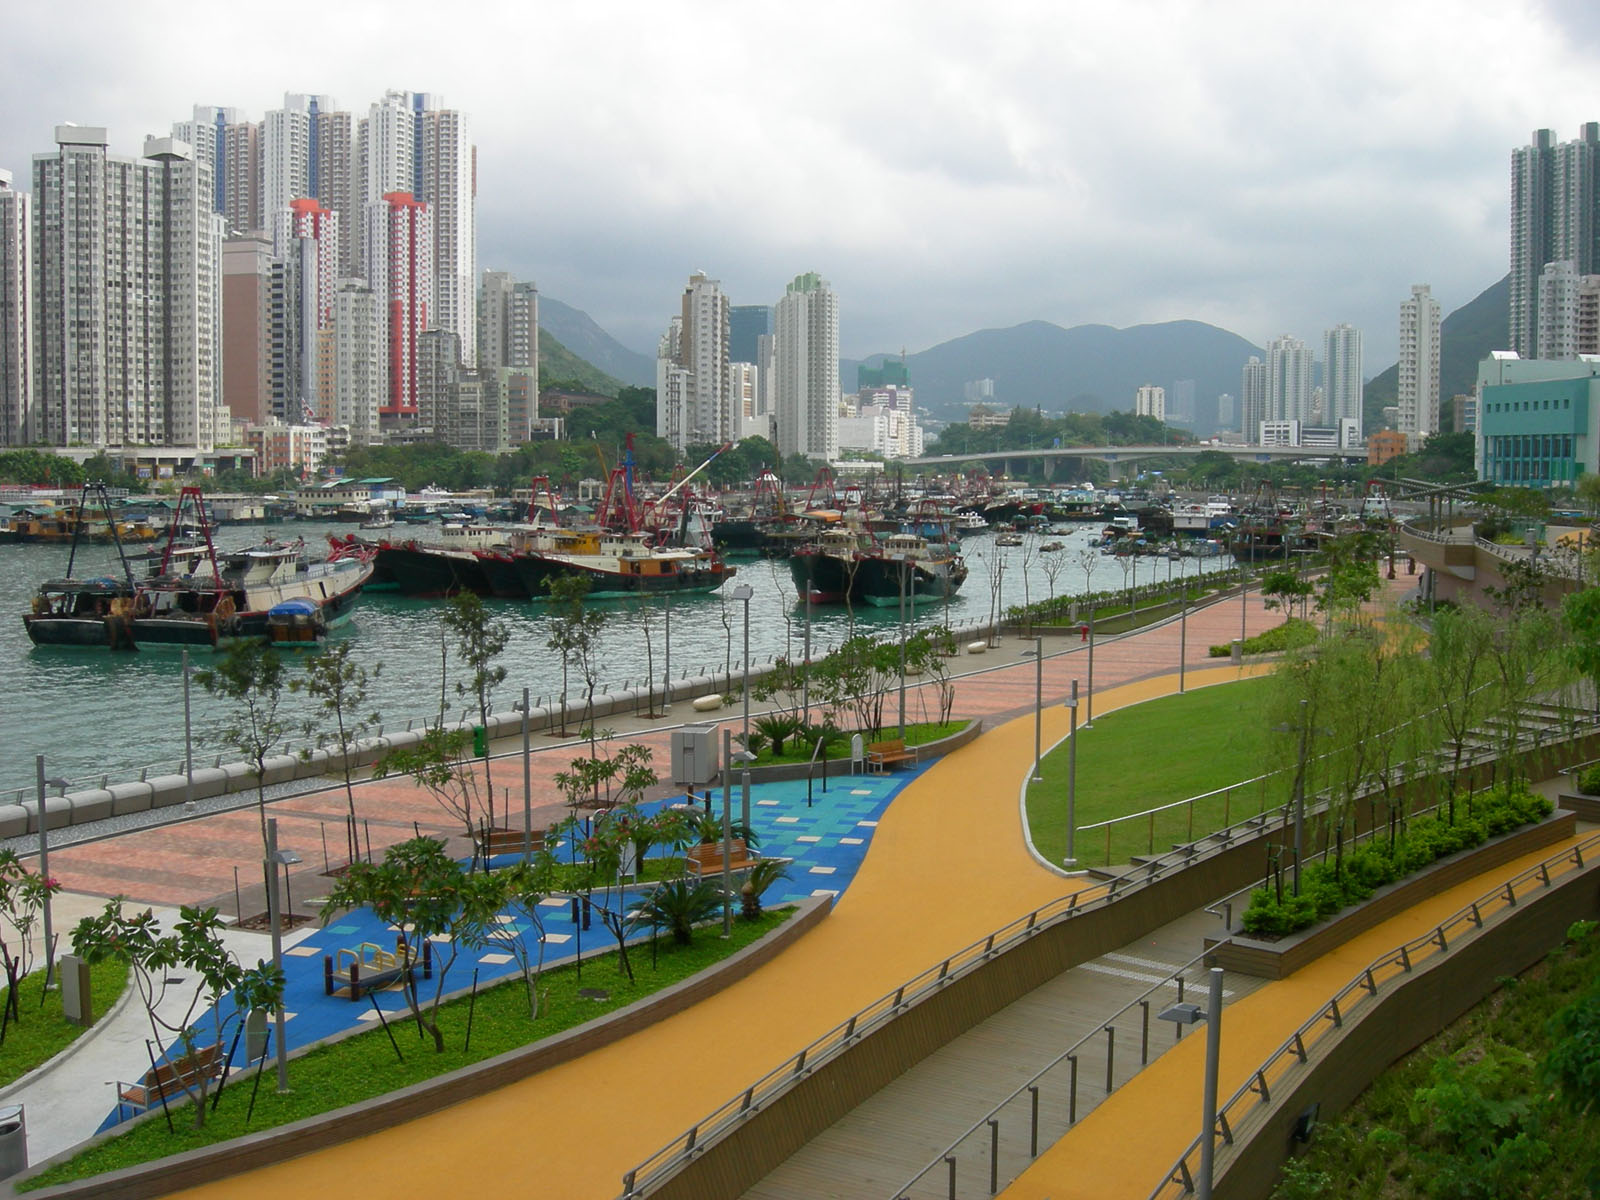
[61, 1057]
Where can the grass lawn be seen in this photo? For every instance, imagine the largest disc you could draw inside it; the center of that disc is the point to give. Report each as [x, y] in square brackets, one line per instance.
[364, 1066]
[44, 1032]
[1153, 754]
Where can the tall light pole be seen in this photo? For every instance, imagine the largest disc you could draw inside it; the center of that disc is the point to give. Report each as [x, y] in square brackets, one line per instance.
[727, 832]
[44, 868]
[527, 785]
[743, 592]
[188, 741]
[1186, 1013]
[1037, 654]
[805, 680]
[278, 858]
[1071, 860]
[902, 646]
[1183, 624]
[666, 680]
[1088, 691]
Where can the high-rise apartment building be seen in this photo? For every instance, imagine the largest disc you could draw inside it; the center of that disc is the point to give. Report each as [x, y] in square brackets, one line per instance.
[290, 146]
[333, 180]
[508, 349]
[305, 247]
[806, 369]
[1151, 401]
[449, 180]
[747, 325]
[1252, 399]
[128, 261]
[399, 257]
[353, 371]
[1341, 376]
[1418, 397]
[17, 427]
[700, 410]
[1555, 194]
[1288, 380]
[247, 282]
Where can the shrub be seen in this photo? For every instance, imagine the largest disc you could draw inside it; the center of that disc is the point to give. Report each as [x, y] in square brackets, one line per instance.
[1589, 781]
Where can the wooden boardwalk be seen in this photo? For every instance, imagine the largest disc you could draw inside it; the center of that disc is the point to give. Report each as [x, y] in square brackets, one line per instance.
[911, 1122]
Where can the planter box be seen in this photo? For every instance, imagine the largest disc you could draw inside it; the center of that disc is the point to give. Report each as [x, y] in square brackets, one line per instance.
[1280, 959]
[1582, 805]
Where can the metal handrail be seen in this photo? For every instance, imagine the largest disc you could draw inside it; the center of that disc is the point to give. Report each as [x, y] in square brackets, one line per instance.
[694, 1141]
[1365, 986]
[990, 1120]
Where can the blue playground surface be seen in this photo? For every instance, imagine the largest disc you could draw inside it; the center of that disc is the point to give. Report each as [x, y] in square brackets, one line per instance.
[827, 841]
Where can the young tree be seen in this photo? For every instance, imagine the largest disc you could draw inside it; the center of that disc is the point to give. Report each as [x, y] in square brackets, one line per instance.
[1580, 616]
[480, 640]
[575, 635]
[251, 676]
[339, 686]
[23, 894]
[441, 762]
[520, 889]
[1460, 659]
[162, 962]
[419, 888]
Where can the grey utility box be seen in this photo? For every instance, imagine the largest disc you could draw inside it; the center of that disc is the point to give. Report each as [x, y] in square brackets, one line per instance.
[77, 1001]
[255, 1034]
[694, 755]
[13, 1141]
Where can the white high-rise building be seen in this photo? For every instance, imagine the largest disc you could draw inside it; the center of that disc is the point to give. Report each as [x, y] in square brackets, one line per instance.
[289, 150]
[17, 427]
[1151, 401]
[354, 367]
[1555, 217]
[1342, 382]
[700, 409]
[1252, 399]
[1288, 380]
[128, 317]
[806, 369]
[449, 179]
[399, 257]
[508, 349]
[1418, 398]
[306, 248]
[1569, 312]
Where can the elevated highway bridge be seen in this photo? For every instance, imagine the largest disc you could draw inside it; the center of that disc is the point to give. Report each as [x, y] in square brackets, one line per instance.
[1122, 456]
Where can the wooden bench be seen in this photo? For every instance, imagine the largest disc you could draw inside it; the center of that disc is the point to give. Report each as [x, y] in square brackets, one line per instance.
[886, 756]
[706, 858]
[489, 842]
[370, 967]
[171, 1079]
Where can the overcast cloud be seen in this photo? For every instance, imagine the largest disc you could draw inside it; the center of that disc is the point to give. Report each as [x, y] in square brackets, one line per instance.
[1269, 168]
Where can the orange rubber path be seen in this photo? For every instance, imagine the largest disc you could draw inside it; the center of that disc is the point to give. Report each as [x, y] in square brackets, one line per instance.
[928, 888]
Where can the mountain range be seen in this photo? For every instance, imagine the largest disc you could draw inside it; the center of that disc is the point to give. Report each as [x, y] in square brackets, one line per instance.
[1088, 368]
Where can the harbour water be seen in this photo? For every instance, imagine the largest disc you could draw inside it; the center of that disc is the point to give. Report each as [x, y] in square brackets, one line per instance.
[94, 713]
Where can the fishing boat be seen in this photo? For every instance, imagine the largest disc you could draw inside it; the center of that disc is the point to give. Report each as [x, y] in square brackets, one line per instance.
[85, 612]
[197, 598]
[846, 567]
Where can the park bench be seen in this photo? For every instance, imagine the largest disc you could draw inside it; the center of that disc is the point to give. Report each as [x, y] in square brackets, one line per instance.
[370, 967]
[886, 756]
[173, 1078]
[706, 858]
[490, 842]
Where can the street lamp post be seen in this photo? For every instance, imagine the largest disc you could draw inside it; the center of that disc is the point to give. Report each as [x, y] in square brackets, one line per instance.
[44, 869]
[527, 785]
[805, 679]
[1088, 691]
[743, 592]
[278, 858]
[1187, 1014]
[188, 741]
[727, 832]
[902, 646]
[666, 680]
[1183, 625]
[1071, 860]
[1037, 654]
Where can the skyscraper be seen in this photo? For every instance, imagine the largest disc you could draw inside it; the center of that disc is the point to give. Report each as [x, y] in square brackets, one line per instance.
[697, 344]
[1252, 399]
[354, 368]
[449, 180]
[508, 349]
[1342, 382]
[399, 257]
[806, 369]
[16, 316]
[1151, 401]
[129, 306]
[1418, 398]
[1288, 380]
[306, 249]
[747, 324]
[289, 149]
[1555, 192]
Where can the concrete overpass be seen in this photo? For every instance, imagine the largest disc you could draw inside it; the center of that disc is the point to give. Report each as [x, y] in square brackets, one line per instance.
[1121, 455]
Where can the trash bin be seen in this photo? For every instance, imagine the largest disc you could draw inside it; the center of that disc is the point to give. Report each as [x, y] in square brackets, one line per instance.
[13, 1141]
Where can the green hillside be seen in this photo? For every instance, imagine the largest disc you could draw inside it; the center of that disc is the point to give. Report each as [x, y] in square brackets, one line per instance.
[1466, 337]
[557, 364]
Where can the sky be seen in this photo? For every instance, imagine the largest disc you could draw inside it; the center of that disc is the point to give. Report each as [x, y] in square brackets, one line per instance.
[1268, 168]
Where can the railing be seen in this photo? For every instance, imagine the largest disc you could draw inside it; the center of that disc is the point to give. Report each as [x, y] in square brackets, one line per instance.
[706, 1132]
[1055, 1089]
[1150, 814]
[1288, 1059]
